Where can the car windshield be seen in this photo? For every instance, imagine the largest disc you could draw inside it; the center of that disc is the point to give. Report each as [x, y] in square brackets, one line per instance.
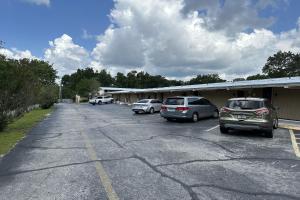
[143, 101]
[244, 104]
[175, 101]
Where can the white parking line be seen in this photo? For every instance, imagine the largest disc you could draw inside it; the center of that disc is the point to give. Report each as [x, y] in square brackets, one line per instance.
[212, 128]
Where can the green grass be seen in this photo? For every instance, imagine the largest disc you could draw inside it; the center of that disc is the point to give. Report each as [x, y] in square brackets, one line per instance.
[17, 129]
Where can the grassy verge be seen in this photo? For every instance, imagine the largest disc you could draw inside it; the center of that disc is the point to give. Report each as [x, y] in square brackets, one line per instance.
[17, 129]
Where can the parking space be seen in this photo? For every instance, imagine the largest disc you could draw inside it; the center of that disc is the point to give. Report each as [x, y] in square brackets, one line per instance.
[143, 156]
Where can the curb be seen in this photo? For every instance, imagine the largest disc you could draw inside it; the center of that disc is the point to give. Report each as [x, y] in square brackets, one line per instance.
[289, 126]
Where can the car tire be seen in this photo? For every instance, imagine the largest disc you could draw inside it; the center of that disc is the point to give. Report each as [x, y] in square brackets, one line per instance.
[99, 102]
[275, 124]
[195, 117]
[216, 114]
[223, 129]
[136, 112]
[169, 119]
[151, 111]
[269, 133]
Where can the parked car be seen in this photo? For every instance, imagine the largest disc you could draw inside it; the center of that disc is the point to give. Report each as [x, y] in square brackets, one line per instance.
[191, 107]
[101, 100]
[147, 106]
[249, 114]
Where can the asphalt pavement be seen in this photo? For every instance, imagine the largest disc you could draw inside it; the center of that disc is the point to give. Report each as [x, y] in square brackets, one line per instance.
[107, 152]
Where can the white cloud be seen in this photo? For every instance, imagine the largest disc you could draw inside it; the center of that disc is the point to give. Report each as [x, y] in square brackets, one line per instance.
[157, 36]
[173, 38]
[39, 2]
[16, 54]
[66, 56]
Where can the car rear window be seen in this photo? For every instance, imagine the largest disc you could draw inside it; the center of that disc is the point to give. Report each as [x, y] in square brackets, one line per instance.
[175, 101]
[143, 101]
[244, 104]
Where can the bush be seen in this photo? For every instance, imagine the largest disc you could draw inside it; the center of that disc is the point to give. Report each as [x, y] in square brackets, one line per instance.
[48, 96]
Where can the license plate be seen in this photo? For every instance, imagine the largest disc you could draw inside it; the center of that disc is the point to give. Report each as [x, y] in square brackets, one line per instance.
[241, 116]
[171, 109]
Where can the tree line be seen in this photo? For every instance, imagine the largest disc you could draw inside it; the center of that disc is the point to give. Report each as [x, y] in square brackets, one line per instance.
[87, 81]
[24, 83]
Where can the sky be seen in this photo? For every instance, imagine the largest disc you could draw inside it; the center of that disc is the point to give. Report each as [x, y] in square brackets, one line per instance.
[174, 38]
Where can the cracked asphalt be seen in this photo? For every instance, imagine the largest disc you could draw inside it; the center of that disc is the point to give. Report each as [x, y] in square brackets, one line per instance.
[146, 157]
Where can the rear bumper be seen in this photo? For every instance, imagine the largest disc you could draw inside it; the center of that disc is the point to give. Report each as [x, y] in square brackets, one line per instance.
[175, 116]
[140, 109]
[246, 125]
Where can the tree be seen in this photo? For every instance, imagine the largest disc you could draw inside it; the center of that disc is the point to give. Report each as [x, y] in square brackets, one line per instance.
[104, 78]
[238, 79]
[282, 64]
[48, 95]
[257, 77]
[23, 83]
[120, 80]
[87, 86]
[206, 78]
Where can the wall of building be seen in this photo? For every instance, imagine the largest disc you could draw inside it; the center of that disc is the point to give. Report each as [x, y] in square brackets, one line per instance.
[287, 100]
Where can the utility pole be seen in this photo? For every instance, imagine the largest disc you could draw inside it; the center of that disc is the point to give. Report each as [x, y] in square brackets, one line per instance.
[60, 92]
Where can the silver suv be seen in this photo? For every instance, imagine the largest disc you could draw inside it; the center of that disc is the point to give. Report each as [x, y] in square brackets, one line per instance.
[249, 114]
[191, 107]
[147, 106]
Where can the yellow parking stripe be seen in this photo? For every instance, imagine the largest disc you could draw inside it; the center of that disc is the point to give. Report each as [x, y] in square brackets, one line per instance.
[294, 143]
[104, 178]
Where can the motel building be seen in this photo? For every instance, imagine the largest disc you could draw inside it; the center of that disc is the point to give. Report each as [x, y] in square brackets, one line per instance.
[284, 93]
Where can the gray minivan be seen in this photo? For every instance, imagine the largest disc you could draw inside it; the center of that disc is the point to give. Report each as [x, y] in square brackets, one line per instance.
[191, 107]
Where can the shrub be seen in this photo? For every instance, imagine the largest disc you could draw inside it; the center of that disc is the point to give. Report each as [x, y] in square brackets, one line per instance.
[48, 96]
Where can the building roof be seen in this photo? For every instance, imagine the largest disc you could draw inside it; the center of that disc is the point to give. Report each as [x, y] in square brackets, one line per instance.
[275, 82]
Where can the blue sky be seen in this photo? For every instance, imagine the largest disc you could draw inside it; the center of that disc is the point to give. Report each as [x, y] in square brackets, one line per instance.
[29, 26]
[151, 35]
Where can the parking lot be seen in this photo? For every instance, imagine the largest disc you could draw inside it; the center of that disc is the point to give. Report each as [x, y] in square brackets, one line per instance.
[107, 152]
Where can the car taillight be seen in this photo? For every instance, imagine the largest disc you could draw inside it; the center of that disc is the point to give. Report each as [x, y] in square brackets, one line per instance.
[182, 108]
[262, 111]
[224, 109]
[163, 108]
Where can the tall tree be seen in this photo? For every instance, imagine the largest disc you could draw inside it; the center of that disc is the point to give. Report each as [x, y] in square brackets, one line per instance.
[257, 77]
[206, 78]
[282, 64]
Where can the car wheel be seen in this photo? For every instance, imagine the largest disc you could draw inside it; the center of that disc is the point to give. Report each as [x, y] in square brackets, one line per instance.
[195, 117]
[151, 111]
[99, 102]
[275, 123]
[136, 112]
[169, 119]
[223, 129]
[216, 114]
[269, 133]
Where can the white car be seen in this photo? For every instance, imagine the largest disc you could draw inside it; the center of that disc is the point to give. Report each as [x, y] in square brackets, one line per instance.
[101, 100]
